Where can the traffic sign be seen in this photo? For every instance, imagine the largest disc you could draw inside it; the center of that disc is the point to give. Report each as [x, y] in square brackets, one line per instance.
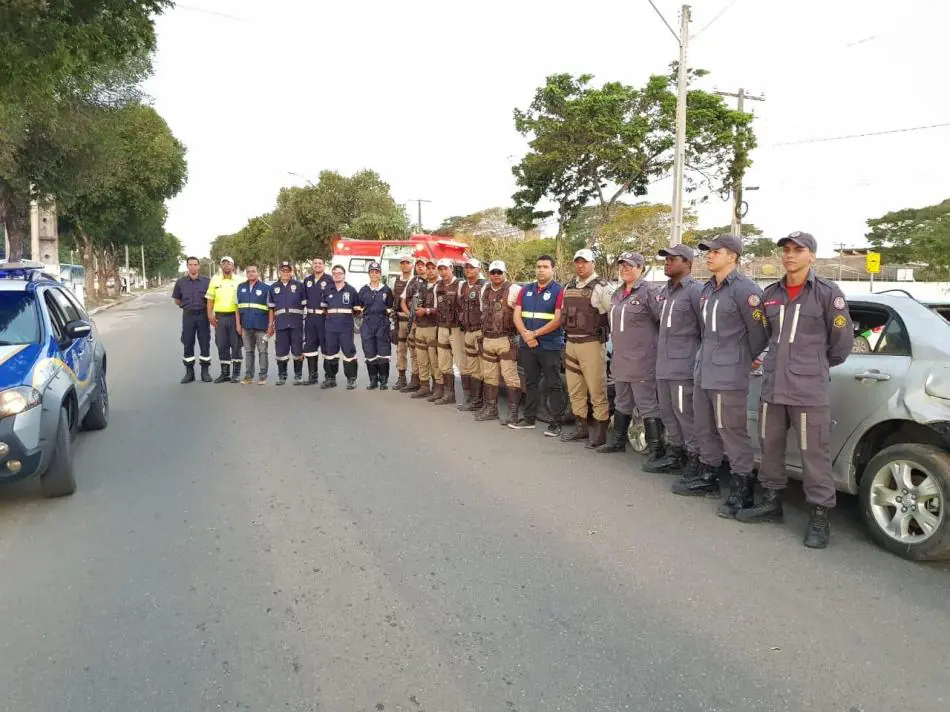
[874, 262]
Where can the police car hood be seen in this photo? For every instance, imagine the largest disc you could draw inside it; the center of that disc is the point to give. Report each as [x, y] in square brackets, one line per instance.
[16, 364]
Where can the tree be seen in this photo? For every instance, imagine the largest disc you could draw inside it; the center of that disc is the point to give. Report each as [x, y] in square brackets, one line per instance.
[492, 222]
[753, 244]
[915, 235]
[598, 144]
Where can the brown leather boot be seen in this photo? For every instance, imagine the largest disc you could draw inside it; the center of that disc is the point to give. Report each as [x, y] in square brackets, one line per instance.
[490, 410]
[448, 390]
[514, 399]
[478, 401]
[400, 381]
[422, 391]
[437, 391]
[413, 385]
[598, 435]
[579, 433]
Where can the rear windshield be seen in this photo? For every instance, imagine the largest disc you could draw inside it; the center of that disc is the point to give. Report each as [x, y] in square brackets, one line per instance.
[19, 319]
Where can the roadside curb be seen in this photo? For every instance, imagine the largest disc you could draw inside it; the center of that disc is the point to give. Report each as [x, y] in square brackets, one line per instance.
[116, 303]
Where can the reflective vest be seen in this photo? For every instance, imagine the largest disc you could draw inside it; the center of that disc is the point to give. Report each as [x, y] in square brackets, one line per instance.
[252, 303]
[537, 309]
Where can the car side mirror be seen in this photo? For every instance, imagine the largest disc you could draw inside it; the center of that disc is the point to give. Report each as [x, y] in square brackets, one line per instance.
[77, 329]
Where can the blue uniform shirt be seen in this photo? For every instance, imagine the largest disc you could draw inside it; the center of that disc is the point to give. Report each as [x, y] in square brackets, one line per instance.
[339, 304]
[252, 303]
[537, 310]
[315, 288]
[376, 301]
[288, 302]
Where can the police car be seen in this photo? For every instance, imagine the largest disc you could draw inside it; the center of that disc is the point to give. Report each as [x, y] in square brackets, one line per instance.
[52, 377]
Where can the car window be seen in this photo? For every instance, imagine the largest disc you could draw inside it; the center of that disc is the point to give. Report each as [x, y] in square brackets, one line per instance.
[360, 265]
[19, 319]
[75, 302]
[56, 316]
[878, 331]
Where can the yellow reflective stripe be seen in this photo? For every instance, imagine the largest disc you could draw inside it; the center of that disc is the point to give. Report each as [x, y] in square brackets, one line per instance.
[536, 315]
[247, 305]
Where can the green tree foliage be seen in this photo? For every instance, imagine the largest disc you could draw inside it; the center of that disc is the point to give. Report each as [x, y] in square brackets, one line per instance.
[596, 145]
[753, 244]
[492, 222]
[915, 235]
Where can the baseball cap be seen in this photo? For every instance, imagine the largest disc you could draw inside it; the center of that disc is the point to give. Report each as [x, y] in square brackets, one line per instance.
[631, 258]
[405, 258]
[727, 240]
[444, 262]
[473, 262]
[497, 265]
[431, 261]
[680, 250]
[584, 254]
[375, 266]
[227, 259]
[286, 265]
[802, 239]
[420, 259]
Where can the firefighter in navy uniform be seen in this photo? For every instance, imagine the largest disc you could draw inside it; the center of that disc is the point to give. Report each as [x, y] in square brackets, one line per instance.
[189, 294]
[340, 302]
[315, 285]
[287, 303]
[810, 331]
[376, 303]
[401, 334]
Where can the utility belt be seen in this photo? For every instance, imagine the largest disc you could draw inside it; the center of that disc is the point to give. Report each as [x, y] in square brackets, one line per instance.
[600, 336]
[219, 313]
[497, 335]
[195, 312]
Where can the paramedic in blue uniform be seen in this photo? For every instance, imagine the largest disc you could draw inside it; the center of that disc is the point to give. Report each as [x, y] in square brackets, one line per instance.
[376, 301]
[340, 302]
[315, 285]
[287, 302]
[189, 294]
[254, 324]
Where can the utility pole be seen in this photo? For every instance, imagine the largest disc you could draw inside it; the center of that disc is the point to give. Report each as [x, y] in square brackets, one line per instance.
[419, 202]
[737, 215]
[144, 278]
[679, 156]
[128, 275]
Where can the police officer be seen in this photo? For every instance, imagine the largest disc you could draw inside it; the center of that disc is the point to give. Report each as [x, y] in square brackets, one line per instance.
[341, 301]
[222, 304]
[315, 285]
[427, 337]
[499, 344]
[288, 302]
[451, 343]
[810, 332]
[586, 303]
[633, 316]
[410, 299]
[470, 318]
[402, 322]
[733, 334]
[376, 303]
[254, 324]
[189, 294]
[678, 344]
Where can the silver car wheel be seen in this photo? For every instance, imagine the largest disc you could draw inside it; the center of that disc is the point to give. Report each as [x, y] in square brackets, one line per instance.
[637, 436]
[907, 501]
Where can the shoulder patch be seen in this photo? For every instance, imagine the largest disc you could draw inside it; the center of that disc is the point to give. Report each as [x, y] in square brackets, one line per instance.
[838, 303]
[754, 300]
[840, 321]
[758, 315]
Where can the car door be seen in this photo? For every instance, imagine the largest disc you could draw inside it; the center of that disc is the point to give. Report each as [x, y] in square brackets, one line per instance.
[78, 354]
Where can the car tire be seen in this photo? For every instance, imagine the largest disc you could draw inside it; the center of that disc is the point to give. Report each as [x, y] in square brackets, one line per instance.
[97, 417]
[904, 494]
[58, 480]
[637, 436]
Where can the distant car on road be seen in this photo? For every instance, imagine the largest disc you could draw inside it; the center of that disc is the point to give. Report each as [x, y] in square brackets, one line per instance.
[52, 377]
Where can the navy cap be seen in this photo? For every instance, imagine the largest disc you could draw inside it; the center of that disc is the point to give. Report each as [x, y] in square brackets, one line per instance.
[727, 240]
[680, 250]
[286, 264]
[631, 258]
[802, 239]
[375, 266]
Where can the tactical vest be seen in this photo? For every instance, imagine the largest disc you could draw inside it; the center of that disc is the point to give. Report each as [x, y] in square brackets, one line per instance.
[582, 321]
[399, 287]
[470, 305]
[497, 316]
[447, 304]
[427, 302]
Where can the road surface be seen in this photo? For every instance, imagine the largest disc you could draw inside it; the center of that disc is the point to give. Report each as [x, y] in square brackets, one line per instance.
[251, 548]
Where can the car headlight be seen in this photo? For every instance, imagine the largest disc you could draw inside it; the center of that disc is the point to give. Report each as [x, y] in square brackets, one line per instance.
[17, 400]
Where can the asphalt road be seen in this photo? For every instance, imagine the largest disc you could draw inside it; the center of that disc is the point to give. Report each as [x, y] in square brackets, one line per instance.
[248, 548]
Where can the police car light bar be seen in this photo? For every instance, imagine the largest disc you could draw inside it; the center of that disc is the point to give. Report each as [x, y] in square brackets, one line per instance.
[24, 270]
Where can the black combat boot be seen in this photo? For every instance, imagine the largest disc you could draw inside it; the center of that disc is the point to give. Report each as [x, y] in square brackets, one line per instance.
[618, 443]
[598, 435]
[671, 463]
[400, 381]
[706, 484]
[476, 403]
[383, 373]
[236, 372]
[205, 372]
[767, 509]
[281, 373]
[741, 495]
[313, 371]
[489, 410]
[371, 370]
[691, 468]
[819, 528]
[225, 375]
[580, 432]
[298, 372]
[466, 392]
[189, 372]
[656, 448]
[448, 390]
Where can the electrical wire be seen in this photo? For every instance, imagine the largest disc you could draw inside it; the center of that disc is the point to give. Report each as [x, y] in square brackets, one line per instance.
[672, 31]
[862, 135]
[208, 12]
[716, 17]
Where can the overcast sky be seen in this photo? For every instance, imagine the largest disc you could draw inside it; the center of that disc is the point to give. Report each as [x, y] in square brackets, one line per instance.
[422, 91]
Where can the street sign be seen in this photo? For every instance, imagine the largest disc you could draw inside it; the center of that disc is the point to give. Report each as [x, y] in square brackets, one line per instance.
[873, 262]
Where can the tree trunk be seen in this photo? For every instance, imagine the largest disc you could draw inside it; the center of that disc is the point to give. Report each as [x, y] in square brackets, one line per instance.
[9, 220]
[86, 243]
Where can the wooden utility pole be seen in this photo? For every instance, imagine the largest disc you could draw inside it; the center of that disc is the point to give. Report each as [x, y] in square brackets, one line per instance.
[144, 278]
[737, 213]
[419, 202]
[679, 155]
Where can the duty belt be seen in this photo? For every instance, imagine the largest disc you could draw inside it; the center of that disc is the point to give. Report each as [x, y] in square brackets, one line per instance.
[288, 311]
[582, 338]
[339, 311]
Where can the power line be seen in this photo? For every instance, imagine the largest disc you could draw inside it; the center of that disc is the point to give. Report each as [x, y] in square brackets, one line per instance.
[672, 31]
[208, 12]
[862, 135]
[716, 17]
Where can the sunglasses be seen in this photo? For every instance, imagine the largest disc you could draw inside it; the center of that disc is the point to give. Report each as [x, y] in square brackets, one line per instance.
[496, 271]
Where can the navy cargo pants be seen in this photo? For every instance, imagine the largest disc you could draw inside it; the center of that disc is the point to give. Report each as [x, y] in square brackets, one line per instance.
[195, 324]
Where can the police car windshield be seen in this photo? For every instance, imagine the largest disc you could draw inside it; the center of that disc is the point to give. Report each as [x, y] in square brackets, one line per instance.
[19, 322]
